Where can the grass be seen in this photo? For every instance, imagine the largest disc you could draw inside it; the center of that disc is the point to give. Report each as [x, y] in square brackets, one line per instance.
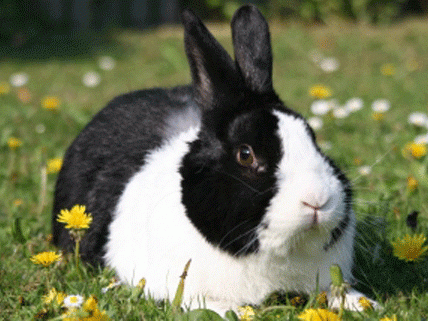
[382, 199]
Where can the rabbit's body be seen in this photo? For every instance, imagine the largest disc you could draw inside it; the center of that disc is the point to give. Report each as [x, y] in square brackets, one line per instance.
[150, 215]
[220, 172]
[110, 151]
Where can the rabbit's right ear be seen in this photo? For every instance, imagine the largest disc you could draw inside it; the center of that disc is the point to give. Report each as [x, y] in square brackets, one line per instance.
[251, 41]
[214, 73]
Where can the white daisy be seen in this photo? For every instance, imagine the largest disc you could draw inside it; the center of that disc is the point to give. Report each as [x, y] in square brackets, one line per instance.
[91, 79]
[112, 285]
[329, 64]
[315, 123]
[325, 145]
[354, 104]
[418, 119]
[365, 170]
[381, 105]
[106, 63]
[40, 128]
[73, 301]
[320, 107]
[421, 139]
[340, 112]
[19, 79]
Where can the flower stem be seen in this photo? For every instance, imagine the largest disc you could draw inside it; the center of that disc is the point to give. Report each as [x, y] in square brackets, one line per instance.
[76, 253]
[48, 283]
[77, 256]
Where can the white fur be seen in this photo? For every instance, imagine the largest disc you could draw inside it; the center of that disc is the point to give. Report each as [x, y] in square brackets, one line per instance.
[152, 238]
[305, 176]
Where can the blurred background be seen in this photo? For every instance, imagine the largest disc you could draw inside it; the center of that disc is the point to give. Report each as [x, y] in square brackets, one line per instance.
[23, 22]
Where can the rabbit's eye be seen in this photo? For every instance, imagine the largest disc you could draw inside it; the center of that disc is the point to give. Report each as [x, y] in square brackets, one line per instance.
[246, 157]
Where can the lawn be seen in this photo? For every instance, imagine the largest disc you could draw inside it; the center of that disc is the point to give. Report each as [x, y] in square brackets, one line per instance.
[47, 97]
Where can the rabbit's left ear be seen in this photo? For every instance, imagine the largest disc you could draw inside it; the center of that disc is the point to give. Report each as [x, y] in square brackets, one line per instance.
[214, 73]
[251, 41]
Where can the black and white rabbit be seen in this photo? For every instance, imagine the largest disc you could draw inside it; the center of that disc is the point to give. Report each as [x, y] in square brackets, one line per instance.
[219, 172]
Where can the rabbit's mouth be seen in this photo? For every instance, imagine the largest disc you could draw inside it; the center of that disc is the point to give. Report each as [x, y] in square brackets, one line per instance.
[315, 233]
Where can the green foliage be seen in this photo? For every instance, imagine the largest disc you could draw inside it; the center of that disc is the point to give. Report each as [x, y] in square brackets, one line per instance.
[199, 314]
[320, 11]
[385, 11]
[17, 234]
[226, 7]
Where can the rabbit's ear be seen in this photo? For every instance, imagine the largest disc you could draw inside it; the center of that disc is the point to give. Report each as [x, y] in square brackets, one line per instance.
[251, 41]
[214, 73]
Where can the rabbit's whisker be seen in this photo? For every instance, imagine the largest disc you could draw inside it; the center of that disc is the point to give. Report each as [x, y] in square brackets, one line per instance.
[230, 231]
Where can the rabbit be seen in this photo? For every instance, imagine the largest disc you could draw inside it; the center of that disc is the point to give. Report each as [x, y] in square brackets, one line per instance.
[220, 172]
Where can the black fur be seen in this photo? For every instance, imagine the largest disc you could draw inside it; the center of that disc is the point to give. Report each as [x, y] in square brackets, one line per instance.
[343, 225]
[215, 79]
[106, 154]
[224, 200]
[251, 41]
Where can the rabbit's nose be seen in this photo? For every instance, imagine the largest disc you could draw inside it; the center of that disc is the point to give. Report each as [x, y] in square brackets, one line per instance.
[314, 207]
[316, 199]
[316, 210]
[315, 214]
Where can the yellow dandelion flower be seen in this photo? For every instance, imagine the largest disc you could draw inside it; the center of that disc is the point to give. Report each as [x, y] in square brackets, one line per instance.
[4, 88]
[50, 103]
[45, 258]
[415, 150]
[318, 315]
[418, 150]
[412, 65]
[410, 248]
[49, 237]
[54, 165]
[76, 218]
[358, 161]
[365, 303]
[322, 298]
[73, 315]
[140, 284]
[412, 183]
[297, 301]
[387, 70]
[42, 314]
[54, 295]
[320, 92]
[394, 318]
[18, 202]
[24, 95]
[90, 304]
[89, 312]
[48, 298]
[246, 313]
[378, 116]
[13, 143]
[96, 315]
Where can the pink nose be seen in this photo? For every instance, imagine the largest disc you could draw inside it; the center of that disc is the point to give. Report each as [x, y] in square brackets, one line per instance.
[315, 207]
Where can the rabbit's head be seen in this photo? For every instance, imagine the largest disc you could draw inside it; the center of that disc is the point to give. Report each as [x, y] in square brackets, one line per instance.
[255, 180]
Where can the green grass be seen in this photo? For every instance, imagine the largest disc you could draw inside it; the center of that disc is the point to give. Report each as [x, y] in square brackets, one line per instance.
[156, 58]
